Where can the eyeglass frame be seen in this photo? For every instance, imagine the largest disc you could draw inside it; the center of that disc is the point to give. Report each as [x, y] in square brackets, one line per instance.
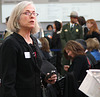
[30, 13]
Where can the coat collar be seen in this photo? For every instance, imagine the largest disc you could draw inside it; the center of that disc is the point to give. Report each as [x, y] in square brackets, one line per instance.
[20, 38]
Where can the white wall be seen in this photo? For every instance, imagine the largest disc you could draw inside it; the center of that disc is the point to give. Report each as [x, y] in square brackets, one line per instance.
[55, 10]
[51, 12]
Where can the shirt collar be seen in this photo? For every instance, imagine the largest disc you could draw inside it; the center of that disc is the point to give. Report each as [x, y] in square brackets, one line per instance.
[71, 24]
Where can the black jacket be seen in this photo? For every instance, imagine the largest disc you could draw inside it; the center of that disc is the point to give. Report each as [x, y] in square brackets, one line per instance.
[93, 35]
[78, 67]
[20, 68]
[56, 41]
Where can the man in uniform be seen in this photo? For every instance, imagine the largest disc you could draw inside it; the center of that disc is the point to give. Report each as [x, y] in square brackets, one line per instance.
[70, 31]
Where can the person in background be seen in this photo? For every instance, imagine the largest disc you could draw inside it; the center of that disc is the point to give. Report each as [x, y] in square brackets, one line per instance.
[82, 22]
[49, 30]
[56, 43]
[48, 33]
[90, 57]
[93, 31]
[93, 46]
[70, 31]
[75, 52]
[7, 32]
[45, 48]
[49, 27]
[39, 31]
[20, 57]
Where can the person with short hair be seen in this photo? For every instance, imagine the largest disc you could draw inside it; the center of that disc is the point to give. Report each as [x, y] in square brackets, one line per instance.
[48, 33]
[93, 46]
[56, 43]
[49, 27]
[82, 22]
[90, 57]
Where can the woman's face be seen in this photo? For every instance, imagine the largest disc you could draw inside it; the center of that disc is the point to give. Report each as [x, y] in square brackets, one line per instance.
[89, 25]
[50, 28]
[70, 53]
[28, 17]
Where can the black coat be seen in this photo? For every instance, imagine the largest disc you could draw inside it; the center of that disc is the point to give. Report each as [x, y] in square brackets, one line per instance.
[56, 45]
[93, 35]
[56, 41]
[20, 69]
[78, 67]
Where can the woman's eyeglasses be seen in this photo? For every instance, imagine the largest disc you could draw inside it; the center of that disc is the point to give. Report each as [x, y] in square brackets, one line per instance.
[29, 13]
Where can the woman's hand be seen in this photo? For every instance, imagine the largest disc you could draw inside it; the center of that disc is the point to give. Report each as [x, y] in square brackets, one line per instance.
[66, 67]
[52, 79]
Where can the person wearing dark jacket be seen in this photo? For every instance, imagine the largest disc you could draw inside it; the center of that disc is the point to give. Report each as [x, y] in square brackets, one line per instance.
[91, 58]
[45, 48]
[93, 46]
[75, 52]
[56, 43]
[68, 85]
[82, 22]
[20, 57]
